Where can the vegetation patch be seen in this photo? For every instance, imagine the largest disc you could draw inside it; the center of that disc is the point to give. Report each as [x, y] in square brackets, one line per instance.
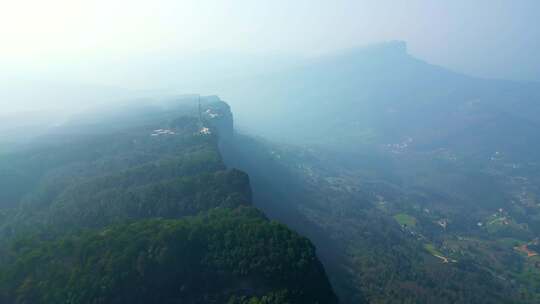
[432, 250]
[405, 220]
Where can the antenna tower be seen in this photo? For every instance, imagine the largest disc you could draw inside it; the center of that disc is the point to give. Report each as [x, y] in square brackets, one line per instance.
[200, 110]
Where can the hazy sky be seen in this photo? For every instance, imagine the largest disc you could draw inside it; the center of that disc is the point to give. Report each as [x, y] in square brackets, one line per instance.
[493, 38]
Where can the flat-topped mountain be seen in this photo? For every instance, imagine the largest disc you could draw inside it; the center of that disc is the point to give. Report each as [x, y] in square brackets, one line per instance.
[136, 205]
[383, 95]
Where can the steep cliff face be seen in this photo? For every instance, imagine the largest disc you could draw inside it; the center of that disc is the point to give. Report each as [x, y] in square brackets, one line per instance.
[168, 220]
[217, 114]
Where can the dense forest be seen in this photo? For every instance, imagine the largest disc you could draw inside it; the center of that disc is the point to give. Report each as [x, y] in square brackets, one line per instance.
[136, 205]
[223, 256]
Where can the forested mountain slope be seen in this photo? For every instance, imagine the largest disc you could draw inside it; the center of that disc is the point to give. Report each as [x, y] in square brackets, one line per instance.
[135, 204]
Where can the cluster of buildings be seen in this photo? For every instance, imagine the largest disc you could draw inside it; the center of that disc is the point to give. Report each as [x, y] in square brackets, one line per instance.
[161, 132]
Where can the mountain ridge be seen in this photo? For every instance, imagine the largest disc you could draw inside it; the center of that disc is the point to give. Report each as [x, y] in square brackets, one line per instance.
[139, 207]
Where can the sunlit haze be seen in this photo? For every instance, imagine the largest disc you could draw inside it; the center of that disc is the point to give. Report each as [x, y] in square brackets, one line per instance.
[270, 151]
[37, 35]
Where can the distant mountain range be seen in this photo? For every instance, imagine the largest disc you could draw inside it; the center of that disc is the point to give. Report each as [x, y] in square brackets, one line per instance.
[383, 95]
